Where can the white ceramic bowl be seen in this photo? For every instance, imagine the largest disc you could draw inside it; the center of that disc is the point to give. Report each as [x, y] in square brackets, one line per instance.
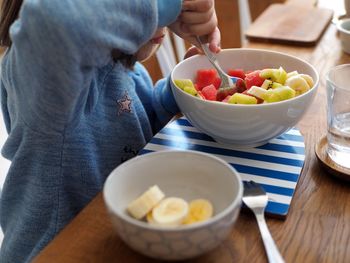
[343, 27]
[243, 125]
[185, 174]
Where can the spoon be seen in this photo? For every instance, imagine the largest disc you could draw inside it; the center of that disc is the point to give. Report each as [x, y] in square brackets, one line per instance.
[226, 80]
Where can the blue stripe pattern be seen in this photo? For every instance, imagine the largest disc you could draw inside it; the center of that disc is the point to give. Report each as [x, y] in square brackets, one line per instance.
[283, 148]
[291, 137]
[276, 165]
[293, 177]
[228, 152]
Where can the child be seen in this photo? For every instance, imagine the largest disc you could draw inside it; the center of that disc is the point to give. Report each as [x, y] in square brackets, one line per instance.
[75, 106]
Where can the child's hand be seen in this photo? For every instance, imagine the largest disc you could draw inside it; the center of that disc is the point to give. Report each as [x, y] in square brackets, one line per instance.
[198, 18]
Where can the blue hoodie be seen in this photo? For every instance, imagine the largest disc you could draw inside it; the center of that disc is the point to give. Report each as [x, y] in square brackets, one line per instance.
[72, 114]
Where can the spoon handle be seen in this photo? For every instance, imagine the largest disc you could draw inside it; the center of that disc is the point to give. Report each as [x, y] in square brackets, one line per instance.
[226, 80]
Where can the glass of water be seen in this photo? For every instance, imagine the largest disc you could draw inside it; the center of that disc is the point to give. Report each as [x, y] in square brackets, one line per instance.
[338, 114]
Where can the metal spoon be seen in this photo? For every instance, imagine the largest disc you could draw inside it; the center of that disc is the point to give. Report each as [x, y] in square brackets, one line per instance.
[226, 80]
[256, 199]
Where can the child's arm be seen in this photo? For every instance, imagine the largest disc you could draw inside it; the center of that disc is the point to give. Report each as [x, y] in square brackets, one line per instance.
[158, 101]
[57, 44]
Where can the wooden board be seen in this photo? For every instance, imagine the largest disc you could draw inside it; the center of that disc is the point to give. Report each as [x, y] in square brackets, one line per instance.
[290, 24]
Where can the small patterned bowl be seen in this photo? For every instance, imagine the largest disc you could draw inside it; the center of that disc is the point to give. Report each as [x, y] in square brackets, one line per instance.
[185, 174]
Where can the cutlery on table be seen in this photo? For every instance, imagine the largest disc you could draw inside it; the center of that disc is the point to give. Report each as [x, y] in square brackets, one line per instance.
[256, 199]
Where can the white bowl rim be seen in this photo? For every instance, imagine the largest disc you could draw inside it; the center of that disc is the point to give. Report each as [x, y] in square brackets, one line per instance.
[212, 220]
[316, 83]
[340, 24]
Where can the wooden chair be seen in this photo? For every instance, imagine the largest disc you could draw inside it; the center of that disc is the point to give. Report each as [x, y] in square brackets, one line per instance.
[170, 53]
[245, 18]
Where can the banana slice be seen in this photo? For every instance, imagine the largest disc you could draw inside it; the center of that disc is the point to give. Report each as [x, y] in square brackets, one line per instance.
[170, 212]
[200, 210]
[257, 92]
[144, 203]
[308, 79]
[298, 83]
[292, 73]
[149, 218]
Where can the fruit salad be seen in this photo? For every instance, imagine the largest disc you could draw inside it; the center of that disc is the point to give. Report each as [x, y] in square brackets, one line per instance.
[250, 87]
[159, 210]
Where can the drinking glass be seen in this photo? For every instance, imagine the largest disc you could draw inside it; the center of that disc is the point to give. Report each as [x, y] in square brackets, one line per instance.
[338, 114]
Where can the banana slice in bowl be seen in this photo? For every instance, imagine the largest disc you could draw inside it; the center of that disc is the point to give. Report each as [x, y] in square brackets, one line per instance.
[145, 203]
[199, 211]
[170, 211]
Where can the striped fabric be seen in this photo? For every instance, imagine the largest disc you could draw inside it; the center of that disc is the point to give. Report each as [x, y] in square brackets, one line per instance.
[276, 165]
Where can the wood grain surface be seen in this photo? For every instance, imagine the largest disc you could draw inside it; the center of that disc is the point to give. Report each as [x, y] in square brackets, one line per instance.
[317, 228]
[291, 24]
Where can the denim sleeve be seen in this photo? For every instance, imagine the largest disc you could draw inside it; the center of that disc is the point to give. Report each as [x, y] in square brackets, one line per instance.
[158, 100]
[58, 44]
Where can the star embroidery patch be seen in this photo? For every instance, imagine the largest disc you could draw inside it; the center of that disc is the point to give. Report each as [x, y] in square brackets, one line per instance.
[124, 104]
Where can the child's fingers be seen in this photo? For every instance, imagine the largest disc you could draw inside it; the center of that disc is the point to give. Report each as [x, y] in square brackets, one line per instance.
[214, 40]
[200, 29]
[189, 17]
[197, 5]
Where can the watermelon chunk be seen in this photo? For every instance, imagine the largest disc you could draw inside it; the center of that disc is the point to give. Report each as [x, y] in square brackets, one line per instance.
[241, 85]
[209, 92]
[205, 77]
[254, 79]
[217, 82]
[226, 99]
[238, 73]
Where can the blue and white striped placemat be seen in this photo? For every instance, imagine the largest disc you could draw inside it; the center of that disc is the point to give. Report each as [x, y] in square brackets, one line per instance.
[276, 165]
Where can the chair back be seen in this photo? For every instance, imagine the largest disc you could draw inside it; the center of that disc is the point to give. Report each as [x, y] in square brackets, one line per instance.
[170, 53]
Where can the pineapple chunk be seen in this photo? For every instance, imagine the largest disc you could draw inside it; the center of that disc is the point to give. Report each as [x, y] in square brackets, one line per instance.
[182, 83]
[239, 98]
[279, 94]
[276, 75]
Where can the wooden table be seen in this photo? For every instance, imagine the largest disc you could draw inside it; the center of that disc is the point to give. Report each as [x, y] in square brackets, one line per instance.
[317, 228]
